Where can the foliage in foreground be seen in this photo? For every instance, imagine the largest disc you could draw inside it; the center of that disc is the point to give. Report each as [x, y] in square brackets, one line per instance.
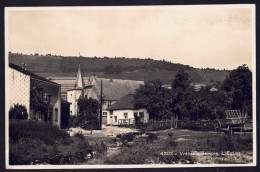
[197, 125]
[18, 112]
[174, 151]
[39, 143]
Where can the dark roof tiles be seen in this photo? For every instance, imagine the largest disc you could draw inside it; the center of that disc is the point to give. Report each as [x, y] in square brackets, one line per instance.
[32, 75]
[126, 102]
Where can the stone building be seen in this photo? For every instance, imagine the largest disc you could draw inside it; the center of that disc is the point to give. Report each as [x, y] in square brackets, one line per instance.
[20, 82]
[113, 90]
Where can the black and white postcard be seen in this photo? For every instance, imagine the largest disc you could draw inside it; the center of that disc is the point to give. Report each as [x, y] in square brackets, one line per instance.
[130, 86]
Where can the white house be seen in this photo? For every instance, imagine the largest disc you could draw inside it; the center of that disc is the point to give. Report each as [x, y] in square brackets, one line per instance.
[90, 87]
[21, 81]
[123, 112]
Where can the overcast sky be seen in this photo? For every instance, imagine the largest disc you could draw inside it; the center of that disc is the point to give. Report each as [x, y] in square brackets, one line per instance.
[210, 36]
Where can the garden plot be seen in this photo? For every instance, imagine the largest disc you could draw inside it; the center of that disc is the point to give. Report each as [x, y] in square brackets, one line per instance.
[177, 146]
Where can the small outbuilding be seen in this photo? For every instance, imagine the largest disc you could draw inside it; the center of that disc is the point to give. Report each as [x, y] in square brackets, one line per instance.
[123, 112]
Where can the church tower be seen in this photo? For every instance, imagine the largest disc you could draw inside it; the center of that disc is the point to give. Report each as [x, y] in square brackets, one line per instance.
[79, 81]
[74, 94]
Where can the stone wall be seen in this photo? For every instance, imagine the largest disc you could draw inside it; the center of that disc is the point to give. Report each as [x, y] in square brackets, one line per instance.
[18, 89]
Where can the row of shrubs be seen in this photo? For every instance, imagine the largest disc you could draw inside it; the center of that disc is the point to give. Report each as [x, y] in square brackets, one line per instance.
[32, 142]
[200, 125]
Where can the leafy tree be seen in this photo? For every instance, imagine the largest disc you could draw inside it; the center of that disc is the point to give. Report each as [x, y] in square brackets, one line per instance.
[18, 112]
[238, 85]
[65, 114]
[155, 99]
[181, 89]
[88, 113]
[87, 106]
[37, 100]
[182, 81]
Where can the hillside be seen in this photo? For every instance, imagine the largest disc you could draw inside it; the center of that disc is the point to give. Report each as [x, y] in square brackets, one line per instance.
[117, 67]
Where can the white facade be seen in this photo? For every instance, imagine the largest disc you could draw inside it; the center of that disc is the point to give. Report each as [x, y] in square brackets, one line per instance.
[107, 104]
[19, 89]
[127, 116]
[105, 112]
[72, 98]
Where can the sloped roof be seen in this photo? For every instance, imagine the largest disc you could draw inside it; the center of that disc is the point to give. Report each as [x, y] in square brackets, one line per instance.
[79, 81]
[32, 75]
[113, 89]
[116, 88]
[126, 102]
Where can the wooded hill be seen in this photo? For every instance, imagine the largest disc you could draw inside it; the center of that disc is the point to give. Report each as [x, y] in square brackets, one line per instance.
[114, 67]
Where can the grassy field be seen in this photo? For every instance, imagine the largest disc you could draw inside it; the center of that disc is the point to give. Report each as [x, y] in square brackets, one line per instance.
[184, 147]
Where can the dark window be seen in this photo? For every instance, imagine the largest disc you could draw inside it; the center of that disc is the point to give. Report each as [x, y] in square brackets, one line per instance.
[38, 115]
[141, 114]
[104, 113]
[56, 114]
[126, 115]
[115, 118]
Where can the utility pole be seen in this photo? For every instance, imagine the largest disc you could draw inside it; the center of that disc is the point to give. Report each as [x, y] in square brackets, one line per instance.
[101, 103]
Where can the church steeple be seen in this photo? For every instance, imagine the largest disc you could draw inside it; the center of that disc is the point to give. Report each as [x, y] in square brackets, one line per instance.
[79, 81]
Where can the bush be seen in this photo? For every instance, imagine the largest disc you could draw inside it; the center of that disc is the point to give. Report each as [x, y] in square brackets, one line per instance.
[152, 137]
[92, 124]
[155, 126]
[35, 130]
[126, 137]
[133, 155]
[34, 142]
[243, 142]
[142, 129]
[197, 125]
[79, 135]
[228, 143]
[84, 122]
[18, 112]
[27, 151]
[99, 147]
[171, 143]
[87, 115]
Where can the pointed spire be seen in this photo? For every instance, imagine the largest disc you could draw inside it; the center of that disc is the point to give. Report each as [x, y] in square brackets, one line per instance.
[79, 80]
